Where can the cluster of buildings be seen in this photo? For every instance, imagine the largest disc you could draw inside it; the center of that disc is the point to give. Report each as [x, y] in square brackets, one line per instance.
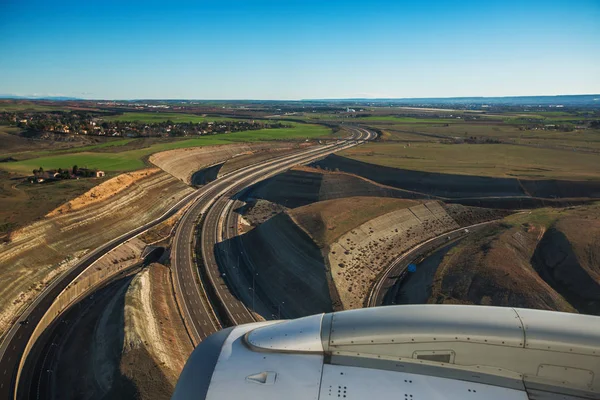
[88, 123]
[41, 176]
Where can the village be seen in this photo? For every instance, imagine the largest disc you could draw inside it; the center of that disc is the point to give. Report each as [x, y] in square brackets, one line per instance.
[99, 124]
[42, 176]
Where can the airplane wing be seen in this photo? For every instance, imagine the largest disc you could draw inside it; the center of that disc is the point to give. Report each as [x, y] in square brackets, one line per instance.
[413, 352]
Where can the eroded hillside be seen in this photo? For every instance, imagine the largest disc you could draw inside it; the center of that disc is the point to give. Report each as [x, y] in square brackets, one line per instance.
[546, 259]
[183, 163]
[39, 252]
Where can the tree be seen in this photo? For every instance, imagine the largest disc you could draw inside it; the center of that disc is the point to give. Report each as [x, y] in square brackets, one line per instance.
[75, 169]
[41, 170]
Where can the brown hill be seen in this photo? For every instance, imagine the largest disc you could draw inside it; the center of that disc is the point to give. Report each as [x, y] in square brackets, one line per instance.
[546, 259]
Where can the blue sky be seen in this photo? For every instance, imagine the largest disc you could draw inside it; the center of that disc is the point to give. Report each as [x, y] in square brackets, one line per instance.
[245, 49]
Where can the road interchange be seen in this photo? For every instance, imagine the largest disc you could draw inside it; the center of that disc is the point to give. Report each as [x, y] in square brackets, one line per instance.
[15, 342]
[203, 292]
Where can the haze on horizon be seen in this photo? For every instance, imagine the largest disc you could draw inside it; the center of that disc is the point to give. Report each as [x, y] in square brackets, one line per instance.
[295, 49]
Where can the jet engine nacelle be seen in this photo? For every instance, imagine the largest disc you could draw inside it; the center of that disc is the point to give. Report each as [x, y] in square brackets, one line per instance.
[404, 352]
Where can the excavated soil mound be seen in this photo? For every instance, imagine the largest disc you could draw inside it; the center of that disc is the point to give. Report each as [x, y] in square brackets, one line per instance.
[290, 267]
[494, 268]
[460, 186]
[104, 191]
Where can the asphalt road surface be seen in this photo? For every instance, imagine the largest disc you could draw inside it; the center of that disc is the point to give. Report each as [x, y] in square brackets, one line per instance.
[188, 285]
[16, 339]
[206, 300]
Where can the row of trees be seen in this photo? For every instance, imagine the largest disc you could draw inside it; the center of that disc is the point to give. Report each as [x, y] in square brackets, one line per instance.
[66, 173]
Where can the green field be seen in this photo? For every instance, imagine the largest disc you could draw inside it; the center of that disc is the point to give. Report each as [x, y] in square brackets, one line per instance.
[497, 160]
[150, 117]
[134, 159]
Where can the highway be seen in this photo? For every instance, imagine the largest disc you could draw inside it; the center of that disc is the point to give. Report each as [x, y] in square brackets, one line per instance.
[17, 337]
[205, 298]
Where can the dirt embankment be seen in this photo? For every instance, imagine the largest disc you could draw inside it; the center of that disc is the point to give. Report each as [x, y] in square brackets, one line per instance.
[360, 255]
[103, 191]
[568, 259]
[156, 345]
[127, 341]
[183, 163]
[332, 251]
[461, 186]
[548, 259]
[301, 186]
[493, 268]
[290, 266]
[326, 221]
[40, 251]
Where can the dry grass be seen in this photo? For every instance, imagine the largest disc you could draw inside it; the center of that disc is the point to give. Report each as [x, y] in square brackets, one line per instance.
[493, 268]
[327, 220]
[103, 191]
[498, 160]
[545, 259]
[42, 249]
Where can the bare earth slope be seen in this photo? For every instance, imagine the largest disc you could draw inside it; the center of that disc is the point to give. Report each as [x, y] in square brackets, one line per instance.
[40, 251]
[304, 185]
[494, 269]
[360, 255]
[548, 259]
[183, 163]
[290, 266]
[568, 259]
[156, 344]
[460, 186]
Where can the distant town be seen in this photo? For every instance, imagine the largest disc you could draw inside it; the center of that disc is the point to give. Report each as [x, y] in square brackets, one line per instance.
[88, 123]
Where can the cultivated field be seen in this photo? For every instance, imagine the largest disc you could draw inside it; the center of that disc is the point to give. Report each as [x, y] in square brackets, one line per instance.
[134, 159]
